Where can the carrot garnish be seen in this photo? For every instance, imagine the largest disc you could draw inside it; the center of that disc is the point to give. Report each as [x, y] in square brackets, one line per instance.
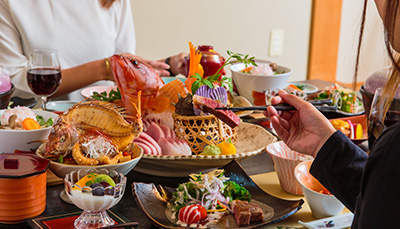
[30, 124]
[295, 87]
[194, 66]
[247, 70]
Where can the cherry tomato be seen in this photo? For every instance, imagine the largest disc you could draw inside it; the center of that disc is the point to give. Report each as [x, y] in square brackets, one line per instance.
[192, 213]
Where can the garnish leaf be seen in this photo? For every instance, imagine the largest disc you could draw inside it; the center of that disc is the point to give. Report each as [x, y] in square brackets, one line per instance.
[112, 95]
[44, 123]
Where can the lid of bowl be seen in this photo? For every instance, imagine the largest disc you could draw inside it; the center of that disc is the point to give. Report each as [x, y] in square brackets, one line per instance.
[20, 165]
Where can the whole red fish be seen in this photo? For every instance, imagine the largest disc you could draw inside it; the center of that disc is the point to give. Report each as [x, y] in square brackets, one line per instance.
[132, 76]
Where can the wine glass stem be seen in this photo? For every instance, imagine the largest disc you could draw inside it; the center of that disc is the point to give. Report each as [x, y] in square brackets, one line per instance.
[44, 101]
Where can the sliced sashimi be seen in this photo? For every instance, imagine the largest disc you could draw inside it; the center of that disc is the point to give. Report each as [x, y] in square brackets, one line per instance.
[155, 131]
[146, 149]
[170, 146]
[152, 142]
[168, 132]
[154, 146]
[208, 105]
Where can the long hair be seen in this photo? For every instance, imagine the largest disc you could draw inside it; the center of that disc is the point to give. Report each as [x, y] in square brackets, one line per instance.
[393, 81]
[107, 3]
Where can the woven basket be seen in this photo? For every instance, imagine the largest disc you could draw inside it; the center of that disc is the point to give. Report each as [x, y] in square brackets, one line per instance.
[200, 131]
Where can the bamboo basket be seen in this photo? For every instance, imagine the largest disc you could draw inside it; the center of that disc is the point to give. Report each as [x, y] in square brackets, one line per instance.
[200, 131]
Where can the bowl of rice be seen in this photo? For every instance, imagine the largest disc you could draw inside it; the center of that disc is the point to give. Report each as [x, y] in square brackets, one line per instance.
[24, 129]
[266, 75]
[285, 161]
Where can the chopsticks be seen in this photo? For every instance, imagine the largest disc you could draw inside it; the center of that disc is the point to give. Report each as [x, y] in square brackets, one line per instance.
[286, 107]
[130, 224]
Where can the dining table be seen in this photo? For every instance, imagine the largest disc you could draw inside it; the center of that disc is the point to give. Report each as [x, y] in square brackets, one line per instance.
[260, 168]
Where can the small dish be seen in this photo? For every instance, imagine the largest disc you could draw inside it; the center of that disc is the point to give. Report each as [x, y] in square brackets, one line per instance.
[17, 101]
[307, 88]
[168, 79]
[152, 199]
[88, 92]
[359, 119]
[340, 221]
[240, 101]
[59, 106]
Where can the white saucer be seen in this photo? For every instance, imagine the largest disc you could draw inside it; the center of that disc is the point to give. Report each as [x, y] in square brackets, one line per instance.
[340, 221]
[308, 88]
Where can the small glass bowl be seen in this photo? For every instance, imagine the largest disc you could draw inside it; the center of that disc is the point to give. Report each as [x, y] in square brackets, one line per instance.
[94, 201]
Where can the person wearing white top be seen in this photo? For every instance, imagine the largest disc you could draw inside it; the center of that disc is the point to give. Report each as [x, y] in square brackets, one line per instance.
[86, 33]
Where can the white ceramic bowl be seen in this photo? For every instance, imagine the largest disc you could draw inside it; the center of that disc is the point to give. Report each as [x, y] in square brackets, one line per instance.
[25, 140]
[61, 170]
[322, 205]
[247, 83]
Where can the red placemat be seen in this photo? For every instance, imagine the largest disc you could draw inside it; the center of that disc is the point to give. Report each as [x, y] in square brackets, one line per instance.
[66, 221]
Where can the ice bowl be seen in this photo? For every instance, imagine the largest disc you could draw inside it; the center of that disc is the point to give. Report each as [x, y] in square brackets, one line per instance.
[96, 198]
[322, 203]
[247, 83]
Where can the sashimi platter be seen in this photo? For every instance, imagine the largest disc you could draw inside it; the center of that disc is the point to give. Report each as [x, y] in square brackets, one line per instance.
[176, 124]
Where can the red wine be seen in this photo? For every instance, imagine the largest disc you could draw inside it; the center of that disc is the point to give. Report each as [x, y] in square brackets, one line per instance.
[44, 81]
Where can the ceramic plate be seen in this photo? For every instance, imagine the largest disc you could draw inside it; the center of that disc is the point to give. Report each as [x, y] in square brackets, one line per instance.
[252, 140]
[88, 92]
[308, 88]
[153, 199]
[340, 221]
[240, 101]
[17, 101]
[59, 106]
[168, 79]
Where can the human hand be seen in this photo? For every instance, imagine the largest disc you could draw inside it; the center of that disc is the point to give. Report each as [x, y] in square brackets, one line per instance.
[178, 64]
[304, 130]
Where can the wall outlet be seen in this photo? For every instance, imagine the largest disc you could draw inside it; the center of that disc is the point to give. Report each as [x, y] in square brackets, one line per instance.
[276, 42]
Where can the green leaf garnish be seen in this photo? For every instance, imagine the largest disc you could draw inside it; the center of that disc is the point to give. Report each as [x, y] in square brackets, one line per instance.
[112, 95]
[232, 59]
[44, 123]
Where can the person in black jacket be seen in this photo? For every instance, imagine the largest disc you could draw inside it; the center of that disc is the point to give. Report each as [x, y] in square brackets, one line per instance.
[368, 185]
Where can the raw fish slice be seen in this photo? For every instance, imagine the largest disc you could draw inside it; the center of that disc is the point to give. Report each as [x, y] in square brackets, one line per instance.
[149, 141]
[167, 131]
[146, 149]
[208, 105]
[172, 146]
[155, 131]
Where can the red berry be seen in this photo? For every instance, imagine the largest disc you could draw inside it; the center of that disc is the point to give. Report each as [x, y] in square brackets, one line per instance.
[192, 213]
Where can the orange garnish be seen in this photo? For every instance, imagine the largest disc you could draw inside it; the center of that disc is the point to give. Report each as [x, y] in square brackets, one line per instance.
[194, 66]
[247, 69]
[295, 87]
[30, 124]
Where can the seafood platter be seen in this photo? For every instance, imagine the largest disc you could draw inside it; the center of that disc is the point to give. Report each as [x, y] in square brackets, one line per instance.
[161, 129]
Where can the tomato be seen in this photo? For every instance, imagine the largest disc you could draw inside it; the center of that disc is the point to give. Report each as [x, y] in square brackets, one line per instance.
[192, 213]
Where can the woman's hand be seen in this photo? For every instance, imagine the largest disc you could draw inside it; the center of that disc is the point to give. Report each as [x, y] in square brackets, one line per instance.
[178, 64]
[304, 130]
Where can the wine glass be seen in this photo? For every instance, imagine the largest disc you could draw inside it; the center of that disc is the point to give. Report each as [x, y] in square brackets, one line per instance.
[377, 120]
[44, 73]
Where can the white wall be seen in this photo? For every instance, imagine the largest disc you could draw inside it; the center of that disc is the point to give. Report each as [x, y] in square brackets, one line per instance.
[163, 28]
[373, 55]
